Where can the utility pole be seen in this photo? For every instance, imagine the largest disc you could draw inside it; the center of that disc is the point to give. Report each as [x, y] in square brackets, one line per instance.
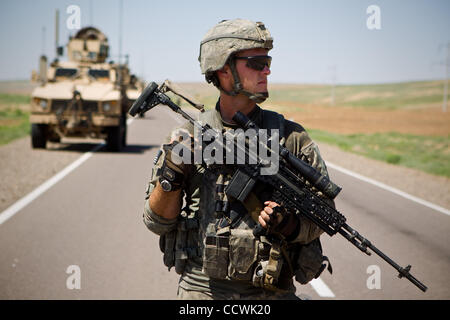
[333, 84]
[446, 63]
[57, 32]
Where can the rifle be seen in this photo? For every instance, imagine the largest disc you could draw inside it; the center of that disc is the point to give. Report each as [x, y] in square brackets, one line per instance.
[294, 185]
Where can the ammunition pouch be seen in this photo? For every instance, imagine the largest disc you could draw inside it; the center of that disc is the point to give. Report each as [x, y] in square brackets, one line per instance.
[230, 254]
[243, 254]
[167, 247]
[216, 255]
[310, 262]
[235, 254]
[274, 273]
[174, 245]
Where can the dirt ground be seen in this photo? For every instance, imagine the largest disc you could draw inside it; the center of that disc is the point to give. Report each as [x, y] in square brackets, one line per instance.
[345, 120]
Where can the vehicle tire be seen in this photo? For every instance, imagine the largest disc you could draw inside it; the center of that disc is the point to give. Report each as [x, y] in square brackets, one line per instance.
[114, 139]
[116, 136]
[38, 135]
[124, 132]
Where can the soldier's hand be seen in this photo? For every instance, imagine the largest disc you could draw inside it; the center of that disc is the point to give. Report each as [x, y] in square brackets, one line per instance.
[278, 220]
[172, 159]
[178, 153]
[270, 216]
[177, 160]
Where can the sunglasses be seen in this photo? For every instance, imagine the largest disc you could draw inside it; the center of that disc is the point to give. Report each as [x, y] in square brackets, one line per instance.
[257, 62]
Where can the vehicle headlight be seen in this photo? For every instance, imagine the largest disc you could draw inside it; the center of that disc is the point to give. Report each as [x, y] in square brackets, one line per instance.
[43, 104]
[109, 106]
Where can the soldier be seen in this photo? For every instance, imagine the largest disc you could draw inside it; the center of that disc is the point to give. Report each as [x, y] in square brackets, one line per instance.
[209, 240]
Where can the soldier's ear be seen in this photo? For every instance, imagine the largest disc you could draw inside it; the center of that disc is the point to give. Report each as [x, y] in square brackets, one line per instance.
[225, 71]
[225, 77]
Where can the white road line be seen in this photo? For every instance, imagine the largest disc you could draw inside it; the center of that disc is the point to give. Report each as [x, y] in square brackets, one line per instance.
[23, 202]
[20, 204]
[389, 188]
[321, 288]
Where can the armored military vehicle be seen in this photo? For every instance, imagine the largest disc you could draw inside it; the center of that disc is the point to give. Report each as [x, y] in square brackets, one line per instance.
[85, 96]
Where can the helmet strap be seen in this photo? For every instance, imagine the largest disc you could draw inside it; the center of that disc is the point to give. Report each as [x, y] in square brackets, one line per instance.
[258, 97]
[237, 86]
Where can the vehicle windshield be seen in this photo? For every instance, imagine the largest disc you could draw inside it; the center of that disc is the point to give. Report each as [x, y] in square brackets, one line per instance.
[98, 73]
[65, 72]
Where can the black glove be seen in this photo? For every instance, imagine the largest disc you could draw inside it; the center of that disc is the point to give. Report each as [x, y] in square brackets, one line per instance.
[173, 170]
[289, 226]
[280, 221]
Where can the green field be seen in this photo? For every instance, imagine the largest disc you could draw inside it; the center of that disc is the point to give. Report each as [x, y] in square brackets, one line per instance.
[14, 117]
[428, 154]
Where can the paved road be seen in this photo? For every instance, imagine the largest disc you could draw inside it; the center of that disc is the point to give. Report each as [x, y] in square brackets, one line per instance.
[92, 219]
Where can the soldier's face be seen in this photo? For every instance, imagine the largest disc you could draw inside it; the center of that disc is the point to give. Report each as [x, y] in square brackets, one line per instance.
[252, 80]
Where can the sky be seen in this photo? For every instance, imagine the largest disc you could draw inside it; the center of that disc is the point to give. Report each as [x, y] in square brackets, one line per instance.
[320, 41]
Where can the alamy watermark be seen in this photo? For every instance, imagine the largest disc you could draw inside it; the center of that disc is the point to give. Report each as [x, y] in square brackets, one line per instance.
[74, 280]
[73, 22]
[374, 280]
[234, 146]
[373, 21]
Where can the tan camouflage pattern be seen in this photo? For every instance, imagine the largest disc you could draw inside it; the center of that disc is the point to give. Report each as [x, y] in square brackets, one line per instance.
[228, 37]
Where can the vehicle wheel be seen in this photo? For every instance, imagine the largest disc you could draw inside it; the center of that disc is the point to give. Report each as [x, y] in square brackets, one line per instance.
[38, 135]
[116, 136]
[124, 132]
[114, 139]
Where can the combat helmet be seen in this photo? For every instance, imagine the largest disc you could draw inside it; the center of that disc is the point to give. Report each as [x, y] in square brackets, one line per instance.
[225, 39]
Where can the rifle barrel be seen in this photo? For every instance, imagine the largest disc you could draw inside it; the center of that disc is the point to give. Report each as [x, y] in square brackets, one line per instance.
[363, 244]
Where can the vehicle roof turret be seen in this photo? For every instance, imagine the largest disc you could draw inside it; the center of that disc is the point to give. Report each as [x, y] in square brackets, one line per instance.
[88, 45]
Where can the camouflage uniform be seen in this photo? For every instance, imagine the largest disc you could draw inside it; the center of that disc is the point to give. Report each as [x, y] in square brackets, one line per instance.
[185, 248]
